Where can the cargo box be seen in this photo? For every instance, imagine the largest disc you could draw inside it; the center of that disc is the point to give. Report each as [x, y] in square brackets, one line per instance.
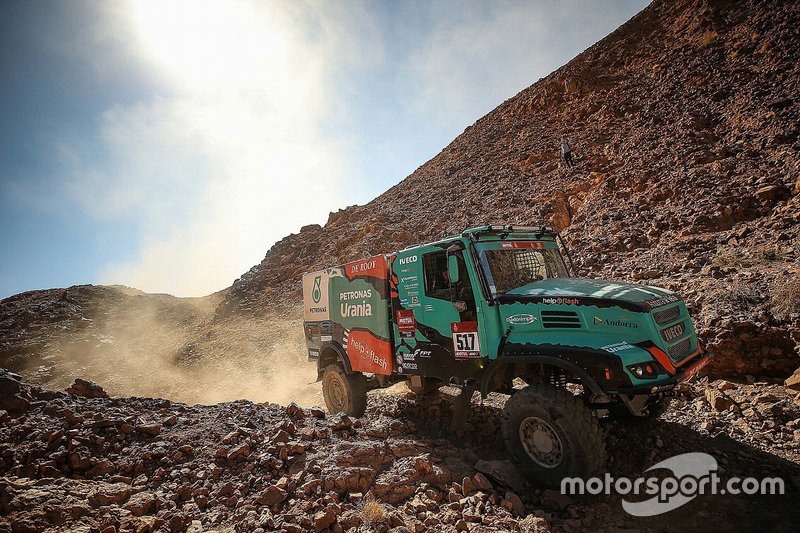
[346, 307]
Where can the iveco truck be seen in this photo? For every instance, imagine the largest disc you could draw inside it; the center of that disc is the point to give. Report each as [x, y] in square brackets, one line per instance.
[500, 309]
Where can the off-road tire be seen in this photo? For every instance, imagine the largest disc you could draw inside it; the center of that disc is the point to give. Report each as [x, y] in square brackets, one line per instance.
[655, 409]
[580, 437]
[429, 386]
[343, 392]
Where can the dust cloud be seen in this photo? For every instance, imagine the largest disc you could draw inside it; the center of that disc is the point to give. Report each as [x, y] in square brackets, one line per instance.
[167, 347]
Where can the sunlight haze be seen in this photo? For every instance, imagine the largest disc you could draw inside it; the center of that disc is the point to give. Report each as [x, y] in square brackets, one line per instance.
[168, 145]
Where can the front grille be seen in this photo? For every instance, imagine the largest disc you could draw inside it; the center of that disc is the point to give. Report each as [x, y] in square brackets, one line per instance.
[560, 319]
[680, 350]
[667, 315]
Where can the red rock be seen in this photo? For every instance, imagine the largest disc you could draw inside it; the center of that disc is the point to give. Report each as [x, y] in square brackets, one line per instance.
[151, 430]
[141, 503]
[324, 519]
[793, 381]
[271, 495]
[553, 499]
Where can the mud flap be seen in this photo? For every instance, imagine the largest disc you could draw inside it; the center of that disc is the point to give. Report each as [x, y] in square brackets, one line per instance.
[461, 408]
[636, 404]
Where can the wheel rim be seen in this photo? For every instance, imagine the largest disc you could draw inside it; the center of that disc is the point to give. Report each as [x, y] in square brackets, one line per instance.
[541, 442]
[337, 394]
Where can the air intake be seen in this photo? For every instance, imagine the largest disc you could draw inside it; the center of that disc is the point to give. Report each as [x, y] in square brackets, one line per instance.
[560, 319]
[667, 315]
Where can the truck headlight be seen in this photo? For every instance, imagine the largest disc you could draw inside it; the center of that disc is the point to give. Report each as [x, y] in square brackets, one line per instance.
[647, 370]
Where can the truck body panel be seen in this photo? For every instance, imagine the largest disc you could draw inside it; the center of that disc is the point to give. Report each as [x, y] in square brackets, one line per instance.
[347, 306]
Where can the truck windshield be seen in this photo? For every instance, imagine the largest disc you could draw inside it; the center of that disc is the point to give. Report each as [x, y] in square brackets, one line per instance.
[524, 263]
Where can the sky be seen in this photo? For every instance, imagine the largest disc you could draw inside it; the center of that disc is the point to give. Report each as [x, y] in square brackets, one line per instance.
[166, 145]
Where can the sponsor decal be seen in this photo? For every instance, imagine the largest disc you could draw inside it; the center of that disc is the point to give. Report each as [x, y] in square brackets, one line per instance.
[412, 356]
[512, 245]
[662, 300]
[617, 347]
[521, 319]
[561, 301]
[313, 353]
[374, 267]
[363, 308]
[355, 310]
[407, 260]
[615, 323]
[407, 361]
[326, 338]
[368, 353]
[672, 332]
[406, 324]
[697, 367]
[316, 292]
[415, 300]
[315, 296]
[465, 340]
[355, 295]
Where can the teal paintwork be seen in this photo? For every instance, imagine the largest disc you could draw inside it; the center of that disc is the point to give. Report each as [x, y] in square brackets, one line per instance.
[609, 315]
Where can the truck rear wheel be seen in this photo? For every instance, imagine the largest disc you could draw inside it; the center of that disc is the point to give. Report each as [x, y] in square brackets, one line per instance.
[344, 393]
[550, 434]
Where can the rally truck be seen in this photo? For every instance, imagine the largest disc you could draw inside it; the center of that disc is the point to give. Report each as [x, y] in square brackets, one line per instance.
[500, 309]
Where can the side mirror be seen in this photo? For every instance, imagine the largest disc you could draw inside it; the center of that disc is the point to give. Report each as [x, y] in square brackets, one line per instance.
[452, 269]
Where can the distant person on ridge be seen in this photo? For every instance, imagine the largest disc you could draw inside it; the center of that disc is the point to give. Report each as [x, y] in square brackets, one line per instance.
[566, 152]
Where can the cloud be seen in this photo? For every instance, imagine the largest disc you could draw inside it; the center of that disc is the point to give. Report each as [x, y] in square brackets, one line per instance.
[234, 151]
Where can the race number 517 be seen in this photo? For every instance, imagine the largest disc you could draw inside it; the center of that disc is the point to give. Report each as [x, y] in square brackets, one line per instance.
[465, 340]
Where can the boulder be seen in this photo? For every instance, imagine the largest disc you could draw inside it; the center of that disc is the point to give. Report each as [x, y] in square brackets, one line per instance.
[793, 381]
[86, 389]
[271, 496]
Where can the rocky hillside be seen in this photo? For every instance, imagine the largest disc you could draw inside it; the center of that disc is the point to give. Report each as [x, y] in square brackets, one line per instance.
[685, 123]
[685, 127]
[84, 462]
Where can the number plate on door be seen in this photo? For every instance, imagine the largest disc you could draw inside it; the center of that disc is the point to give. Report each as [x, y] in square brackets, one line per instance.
[465, 340]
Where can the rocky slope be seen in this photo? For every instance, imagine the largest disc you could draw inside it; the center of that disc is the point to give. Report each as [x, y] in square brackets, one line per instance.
[685, 125]
[86, 462]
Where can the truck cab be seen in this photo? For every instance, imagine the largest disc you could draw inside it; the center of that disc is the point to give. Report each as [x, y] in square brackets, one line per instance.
[515, 301]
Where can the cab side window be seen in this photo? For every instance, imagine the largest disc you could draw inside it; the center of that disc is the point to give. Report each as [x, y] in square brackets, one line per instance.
[434, 265]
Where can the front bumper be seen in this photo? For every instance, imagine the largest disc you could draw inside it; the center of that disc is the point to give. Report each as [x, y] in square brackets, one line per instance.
[696, 367]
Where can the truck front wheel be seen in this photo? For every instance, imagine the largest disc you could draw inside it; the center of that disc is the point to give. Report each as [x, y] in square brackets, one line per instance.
[550, 434]
[344, 393]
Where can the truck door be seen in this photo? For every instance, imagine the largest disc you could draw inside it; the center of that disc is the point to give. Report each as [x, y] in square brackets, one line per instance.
[437, 331]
